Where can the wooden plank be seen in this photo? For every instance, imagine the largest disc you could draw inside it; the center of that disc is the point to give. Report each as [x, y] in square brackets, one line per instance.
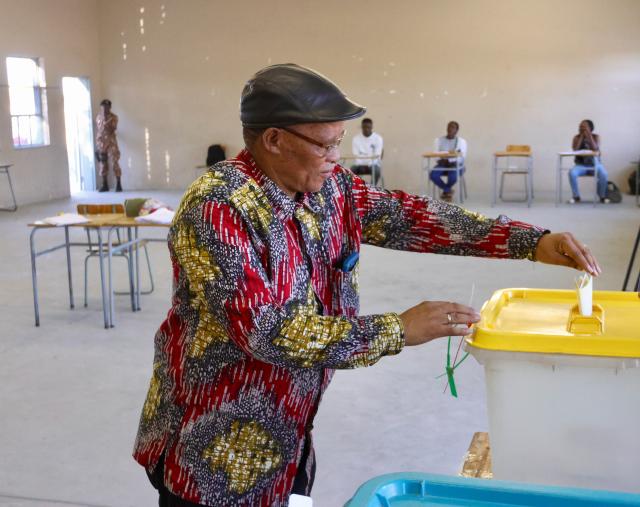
[477, 461]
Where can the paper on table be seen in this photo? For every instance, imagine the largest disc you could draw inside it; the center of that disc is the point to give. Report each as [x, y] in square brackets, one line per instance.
[66, 219]
[584, 287]
[159, 216]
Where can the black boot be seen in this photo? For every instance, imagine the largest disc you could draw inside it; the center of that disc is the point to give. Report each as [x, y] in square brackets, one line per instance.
[105, 185]
[118, 186]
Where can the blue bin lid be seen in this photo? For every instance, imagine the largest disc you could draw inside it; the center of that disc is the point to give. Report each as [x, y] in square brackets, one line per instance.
[412, 489]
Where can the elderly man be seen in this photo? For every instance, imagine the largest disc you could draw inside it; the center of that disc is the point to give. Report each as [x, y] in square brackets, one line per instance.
[265, 305]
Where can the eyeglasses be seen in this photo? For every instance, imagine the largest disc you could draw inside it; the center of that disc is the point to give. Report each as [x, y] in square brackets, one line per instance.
[326, 147]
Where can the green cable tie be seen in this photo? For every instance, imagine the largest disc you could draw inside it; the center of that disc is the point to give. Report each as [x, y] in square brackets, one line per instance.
[450, 369]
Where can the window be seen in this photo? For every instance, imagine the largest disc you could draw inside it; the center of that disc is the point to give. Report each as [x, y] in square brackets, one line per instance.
[28, 102]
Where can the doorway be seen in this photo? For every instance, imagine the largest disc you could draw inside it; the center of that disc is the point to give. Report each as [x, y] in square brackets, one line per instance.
[78, 122]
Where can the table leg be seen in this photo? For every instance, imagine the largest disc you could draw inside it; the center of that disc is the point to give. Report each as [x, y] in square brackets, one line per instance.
[109, 271]
[34, 276]
[494, 181]
[638, 185]
[103, 287]
[68, 249]
[458, 178]
[14, 206]
[558, 171]
[595, 181]
[631, 261]
[137, 270]
[130, 267]
[530, 178]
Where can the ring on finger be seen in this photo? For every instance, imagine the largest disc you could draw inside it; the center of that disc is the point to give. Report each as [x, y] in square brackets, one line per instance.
[449, 319]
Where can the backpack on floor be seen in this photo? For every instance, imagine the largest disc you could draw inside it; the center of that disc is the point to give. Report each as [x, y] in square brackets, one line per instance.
[613, 192]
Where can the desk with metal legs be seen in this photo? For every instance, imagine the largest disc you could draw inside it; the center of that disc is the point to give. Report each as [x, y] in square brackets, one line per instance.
[106, 249]
[526, 171]
[560, 169]
[458, 169]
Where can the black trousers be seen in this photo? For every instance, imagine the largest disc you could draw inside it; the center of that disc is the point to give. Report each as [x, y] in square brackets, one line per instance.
[302, 483]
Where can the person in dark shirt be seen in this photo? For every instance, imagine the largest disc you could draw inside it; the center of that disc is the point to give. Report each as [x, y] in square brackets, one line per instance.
[585, 165]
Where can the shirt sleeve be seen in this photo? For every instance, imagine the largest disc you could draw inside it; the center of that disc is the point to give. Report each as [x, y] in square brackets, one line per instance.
[436, 144]
[397, 220]
[463, 148]
[236, 301]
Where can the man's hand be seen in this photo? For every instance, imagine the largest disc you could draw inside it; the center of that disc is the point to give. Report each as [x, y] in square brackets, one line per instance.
[434, 319]
[565, 250]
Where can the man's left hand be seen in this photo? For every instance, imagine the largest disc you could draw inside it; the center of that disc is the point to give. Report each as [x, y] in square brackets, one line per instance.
[564, 249]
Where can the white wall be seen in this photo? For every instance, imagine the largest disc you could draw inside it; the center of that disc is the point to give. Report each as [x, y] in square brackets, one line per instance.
[510, 71]
[65, 34]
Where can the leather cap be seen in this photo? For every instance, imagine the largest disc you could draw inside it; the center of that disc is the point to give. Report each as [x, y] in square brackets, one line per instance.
[288, 94]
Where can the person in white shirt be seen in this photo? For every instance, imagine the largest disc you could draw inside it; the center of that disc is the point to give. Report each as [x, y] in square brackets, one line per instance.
[368, 144]
[453, 144]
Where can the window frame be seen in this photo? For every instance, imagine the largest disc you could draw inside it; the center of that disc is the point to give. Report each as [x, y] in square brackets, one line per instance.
[39, 90]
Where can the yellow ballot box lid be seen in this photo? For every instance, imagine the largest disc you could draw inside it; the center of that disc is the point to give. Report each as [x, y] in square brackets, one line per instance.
[549, 322]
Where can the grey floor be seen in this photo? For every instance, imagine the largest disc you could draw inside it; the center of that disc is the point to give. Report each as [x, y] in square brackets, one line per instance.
[71, 391]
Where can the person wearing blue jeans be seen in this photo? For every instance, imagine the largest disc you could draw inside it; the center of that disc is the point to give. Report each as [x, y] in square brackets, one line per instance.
[585, 165]
[455, 145]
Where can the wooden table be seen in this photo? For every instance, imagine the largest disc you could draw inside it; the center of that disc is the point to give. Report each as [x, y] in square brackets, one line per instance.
[559, 169]
[528, 172]
[425, 166]
[109, 222]
[4, 169]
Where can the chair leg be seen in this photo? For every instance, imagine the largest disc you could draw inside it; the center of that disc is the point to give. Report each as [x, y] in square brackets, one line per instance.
[464, 187]
[85, 280]
[146, 254]
[501, 184]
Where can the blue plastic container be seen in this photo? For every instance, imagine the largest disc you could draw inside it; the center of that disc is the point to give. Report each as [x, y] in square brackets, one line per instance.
[413, 489]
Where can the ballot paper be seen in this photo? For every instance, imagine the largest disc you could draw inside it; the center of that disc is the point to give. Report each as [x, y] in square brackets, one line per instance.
[584, 287]
[159, 216]
[66, 219]
[300, 501]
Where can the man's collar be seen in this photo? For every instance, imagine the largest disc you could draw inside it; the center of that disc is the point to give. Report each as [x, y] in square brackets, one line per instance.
[283, 205]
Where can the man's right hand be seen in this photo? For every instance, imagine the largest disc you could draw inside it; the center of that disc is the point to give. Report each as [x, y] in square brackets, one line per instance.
[434, 319]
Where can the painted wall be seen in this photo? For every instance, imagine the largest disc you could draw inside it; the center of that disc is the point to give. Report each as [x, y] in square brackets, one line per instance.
[509, 71]
[65, 34]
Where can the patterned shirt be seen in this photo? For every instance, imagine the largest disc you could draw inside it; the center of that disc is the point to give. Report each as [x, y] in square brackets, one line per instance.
[106, 132]
[262, 314]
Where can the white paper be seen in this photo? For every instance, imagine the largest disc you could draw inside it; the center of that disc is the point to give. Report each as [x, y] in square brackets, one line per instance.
[66, 219]
[159, 216]
[584, 286]
[300, 501]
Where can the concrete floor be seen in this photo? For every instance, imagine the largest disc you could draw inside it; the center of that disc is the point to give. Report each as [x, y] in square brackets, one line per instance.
[71, 391]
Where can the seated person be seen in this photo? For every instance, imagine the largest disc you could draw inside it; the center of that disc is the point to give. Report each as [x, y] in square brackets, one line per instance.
[453, 144]
[585, 166]
[368, 144]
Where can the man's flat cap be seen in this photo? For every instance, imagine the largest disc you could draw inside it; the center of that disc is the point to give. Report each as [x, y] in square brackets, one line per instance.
[287, 94]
